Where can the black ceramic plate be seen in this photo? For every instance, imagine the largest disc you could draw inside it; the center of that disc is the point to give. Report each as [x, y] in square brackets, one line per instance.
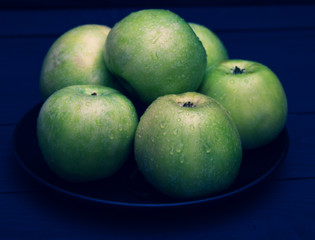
[128, 187]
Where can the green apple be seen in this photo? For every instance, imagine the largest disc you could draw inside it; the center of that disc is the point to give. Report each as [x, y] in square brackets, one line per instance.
[86, 132]
[187, 146]
[215, 49]
[155, 52]
[76, 58]
[254, 97]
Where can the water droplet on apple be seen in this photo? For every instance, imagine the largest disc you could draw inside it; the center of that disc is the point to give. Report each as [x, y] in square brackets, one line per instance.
[207, 147]
[181, 160]
[172, 151]
[162, 125]
[179, 147]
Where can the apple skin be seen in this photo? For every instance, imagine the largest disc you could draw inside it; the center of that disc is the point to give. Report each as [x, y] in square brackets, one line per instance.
[76, 58]
[187, 152]
[255, 99]
[215, 49]
[85, 137]
[155, 52]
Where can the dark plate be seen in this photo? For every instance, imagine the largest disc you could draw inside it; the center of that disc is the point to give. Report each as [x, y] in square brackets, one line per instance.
[128, 188]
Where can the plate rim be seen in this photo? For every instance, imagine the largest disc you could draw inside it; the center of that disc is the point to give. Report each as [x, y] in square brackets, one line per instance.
[143, 205]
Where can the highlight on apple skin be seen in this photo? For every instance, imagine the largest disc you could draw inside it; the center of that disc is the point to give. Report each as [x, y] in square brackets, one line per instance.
[215, 49]
[76, 58]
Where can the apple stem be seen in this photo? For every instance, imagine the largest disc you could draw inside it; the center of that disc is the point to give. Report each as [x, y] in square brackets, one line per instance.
[189, 104]
[94, 94]
[237, 70]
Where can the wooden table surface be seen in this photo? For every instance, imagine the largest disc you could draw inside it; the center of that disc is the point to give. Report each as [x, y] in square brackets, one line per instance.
[281, 37]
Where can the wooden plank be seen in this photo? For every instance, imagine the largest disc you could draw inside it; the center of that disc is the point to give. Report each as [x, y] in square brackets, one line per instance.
[300, 158]
[281, 209]
[20, 63]
[12, 177]
[299, 162]
[56, 22]
[65, 4]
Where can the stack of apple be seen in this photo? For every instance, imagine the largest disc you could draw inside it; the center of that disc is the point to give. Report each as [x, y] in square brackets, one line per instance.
[202, 109]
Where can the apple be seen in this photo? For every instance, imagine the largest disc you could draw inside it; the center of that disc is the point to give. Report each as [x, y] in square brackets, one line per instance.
[155, 52]
[254, 97]
[215, 49]
[187, 146]
[76, 58]
[86, 132]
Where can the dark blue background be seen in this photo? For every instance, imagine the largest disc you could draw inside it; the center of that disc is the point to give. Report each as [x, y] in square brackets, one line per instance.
[62, 4]
[279, 34]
